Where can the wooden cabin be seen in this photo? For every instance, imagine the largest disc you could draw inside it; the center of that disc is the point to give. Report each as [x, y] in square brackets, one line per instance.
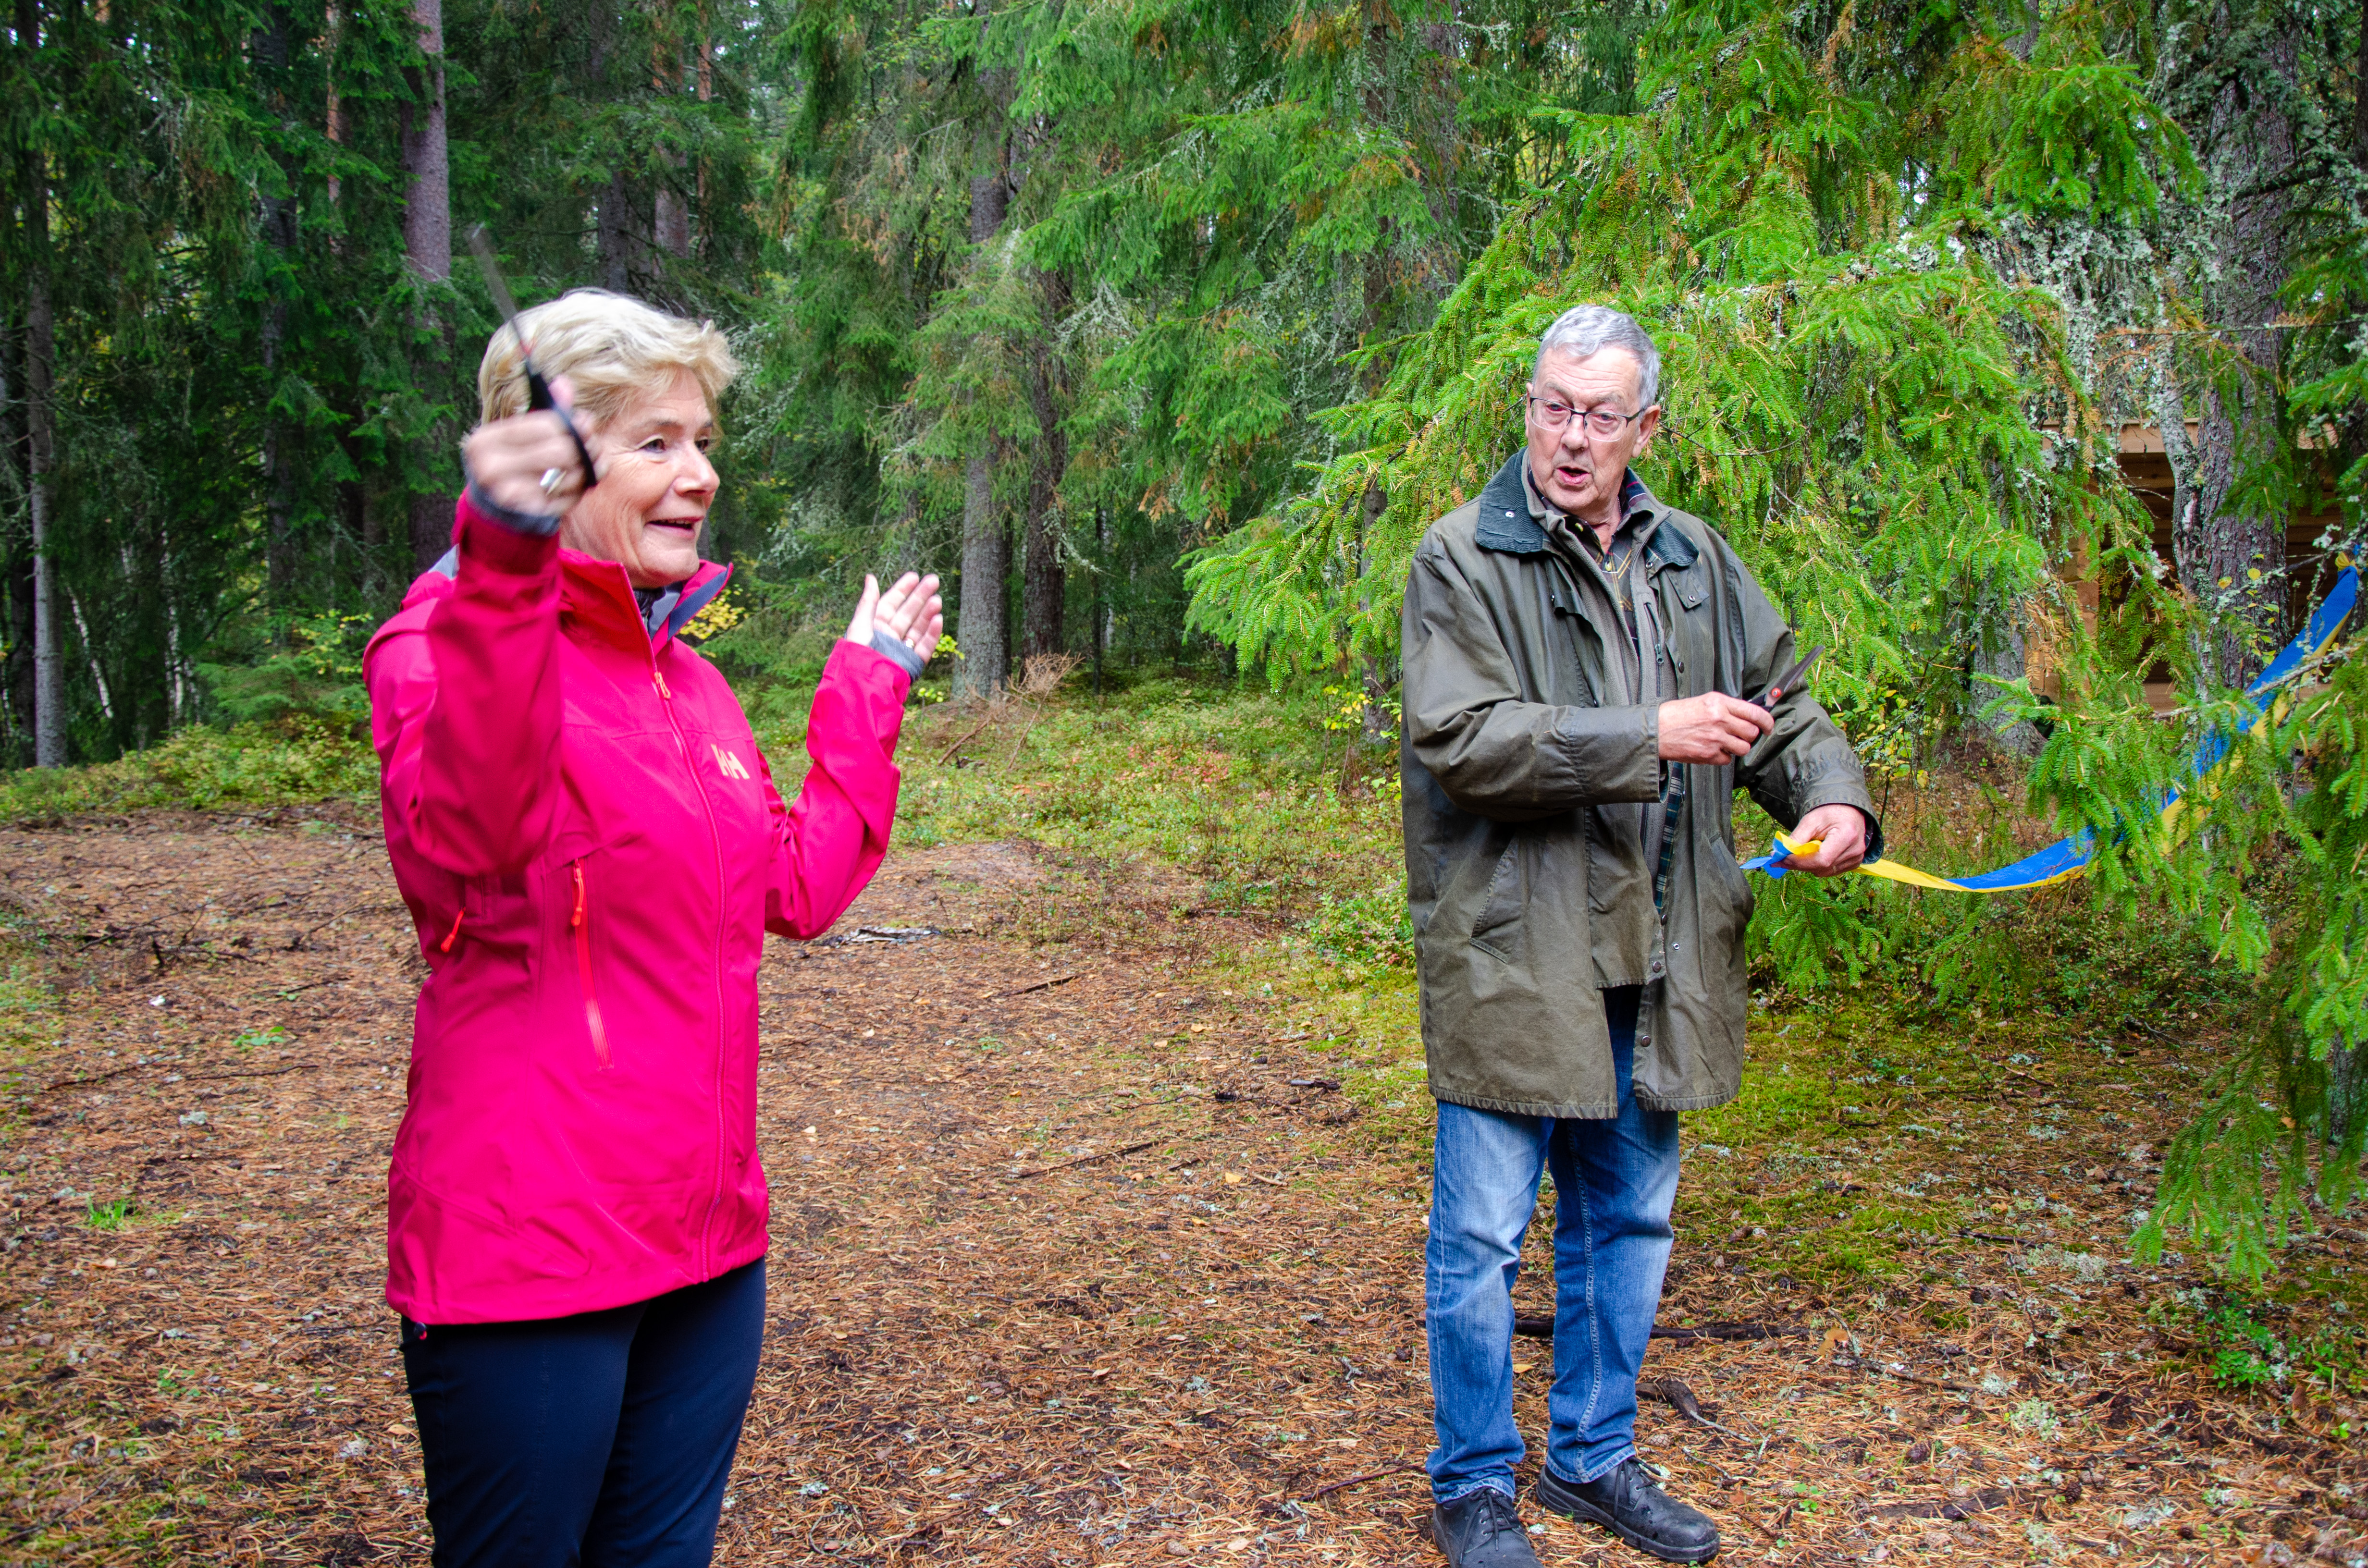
[2145, 469]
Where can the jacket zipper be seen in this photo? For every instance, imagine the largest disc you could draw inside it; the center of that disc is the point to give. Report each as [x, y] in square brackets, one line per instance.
[582, 923]
[716, 849]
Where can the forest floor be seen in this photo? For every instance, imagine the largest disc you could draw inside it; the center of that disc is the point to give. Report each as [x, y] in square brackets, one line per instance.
[1097, 1239]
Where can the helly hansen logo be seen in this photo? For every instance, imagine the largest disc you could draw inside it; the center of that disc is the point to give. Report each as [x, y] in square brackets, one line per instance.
[728, 764]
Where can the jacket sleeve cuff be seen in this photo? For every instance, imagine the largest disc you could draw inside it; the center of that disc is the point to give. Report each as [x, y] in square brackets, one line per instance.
[1857, 801]
[537, 524]
[895, 648]
[843, 649]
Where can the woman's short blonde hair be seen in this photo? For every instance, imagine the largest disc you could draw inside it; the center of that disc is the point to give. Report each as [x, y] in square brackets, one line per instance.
[616, 351]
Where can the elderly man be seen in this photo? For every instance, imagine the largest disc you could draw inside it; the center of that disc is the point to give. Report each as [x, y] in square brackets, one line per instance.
[1581, 665]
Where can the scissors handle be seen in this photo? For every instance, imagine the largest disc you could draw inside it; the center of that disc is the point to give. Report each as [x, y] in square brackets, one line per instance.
[538, 395]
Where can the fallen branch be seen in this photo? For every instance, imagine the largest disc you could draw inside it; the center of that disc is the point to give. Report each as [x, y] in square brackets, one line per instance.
[1040, 985]
[1359, 1480]
[1082, 1160]
[1991, 1236]
[1727, 1331]
[994, 712]
[1965, 1508]
[894, 935]
[2160, 1034]
[94, 1078]
[1680, 1398]
[1905, 1376]
[1540, 1326]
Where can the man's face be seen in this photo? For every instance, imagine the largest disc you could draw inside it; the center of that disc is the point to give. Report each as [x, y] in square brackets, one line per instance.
[1576, 470]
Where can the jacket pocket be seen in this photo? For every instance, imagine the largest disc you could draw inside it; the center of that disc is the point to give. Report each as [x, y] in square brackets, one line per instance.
[1498, 926]
[580, 923]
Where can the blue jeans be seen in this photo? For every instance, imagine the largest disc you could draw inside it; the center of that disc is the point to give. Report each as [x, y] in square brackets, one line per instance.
[1615, 1182]
[601, 1441]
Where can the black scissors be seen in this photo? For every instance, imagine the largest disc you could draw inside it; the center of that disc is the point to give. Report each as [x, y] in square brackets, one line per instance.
[537, 391]
[1788, 679]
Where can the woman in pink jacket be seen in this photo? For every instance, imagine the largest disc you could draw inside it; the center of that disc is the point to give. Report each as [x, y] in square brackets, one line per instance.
[592, 849]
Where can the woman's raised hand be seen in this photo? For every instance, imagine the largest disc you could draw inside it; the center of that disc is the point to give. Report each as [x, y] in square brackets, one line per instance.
[911, 611]
[509, 458]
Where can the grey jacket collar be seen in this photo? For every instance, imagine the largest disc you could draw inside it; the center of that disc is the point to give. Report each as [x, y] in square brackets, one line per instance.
[1505, 525]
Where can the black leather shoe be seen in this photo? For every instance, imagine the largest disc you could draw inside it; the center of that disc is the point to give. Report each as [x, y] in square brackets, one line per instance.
[1482, 1530]
[1626, 1501]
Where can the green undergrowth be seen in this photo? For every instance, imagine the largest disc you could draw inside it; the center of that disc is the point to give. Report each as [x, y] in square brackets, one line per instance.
[295, 760]
[1240, 788]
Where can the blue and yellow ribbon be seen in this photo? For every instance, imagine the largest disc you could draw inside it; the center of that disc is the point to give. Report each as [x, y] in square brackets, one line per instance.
[2068, 857]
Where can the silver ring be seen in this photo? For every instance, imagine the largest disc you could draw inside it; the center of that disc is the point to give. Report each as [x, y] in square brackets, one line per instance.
[551, 478]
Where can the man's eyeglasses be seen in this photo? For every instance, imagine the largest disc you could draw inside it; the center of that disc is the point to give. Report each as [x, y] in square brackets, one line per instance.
[1603, 422]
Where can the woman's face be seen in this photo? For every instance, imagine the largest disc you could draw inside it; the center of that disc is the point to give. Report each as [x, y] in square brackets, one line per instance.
[655, 487]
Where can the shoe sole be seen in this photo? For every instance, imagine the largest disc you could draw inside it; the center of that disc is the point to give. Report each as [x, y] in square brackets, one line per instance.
[1579, 1509]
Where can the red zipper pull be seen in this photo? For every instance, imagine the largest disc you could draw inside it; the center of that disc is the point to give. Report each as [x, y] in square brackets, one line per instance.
[592, 1022]
[446, 945]
[659, 676]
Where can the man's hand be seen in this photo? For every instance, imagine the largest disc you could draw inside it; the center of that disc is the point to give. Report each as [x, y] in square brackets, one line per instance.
[1713, 728]
[1841, 829]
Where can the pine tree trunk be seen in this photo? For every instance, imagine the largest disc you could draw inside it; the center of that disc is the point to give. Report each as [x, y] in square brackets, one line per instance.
[269, 45]
[1101, 571]
[1044, 581]
[670, 209]
[40, 452]
[614, 226]
[1375, 719]
[2233, 557]
[613, 238]
[986, 563]
[427, 247]
[980, 628]
[427, 166]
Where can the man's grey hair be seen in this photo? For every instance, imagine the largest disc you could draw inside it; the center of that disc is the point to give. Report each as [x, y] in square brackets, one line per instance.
[1587, 330]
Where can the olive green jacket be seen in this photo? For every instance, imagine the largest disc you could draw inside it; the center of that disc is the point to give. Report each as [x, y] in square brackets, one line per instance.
[1526, 871]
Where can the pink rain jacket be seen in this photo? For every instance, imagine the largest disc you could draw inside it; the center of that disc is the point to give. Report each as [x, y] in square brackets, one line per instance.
[592, 850]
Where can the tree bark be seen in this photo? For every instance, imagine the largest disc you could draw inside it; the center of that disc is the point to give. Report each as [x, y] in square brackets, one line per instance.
[1375, 719]
[613, 238]
[41, 435]
[427, 165]
[269, 46]
[2232, 557]
[614, 228]
[40, 459]
[980, 616]
[1044, 581]
[427, 249]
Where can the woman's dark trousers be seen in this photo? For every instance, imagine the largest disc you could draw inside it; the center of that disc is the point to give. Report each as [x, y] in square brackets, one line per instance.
[601, 1441]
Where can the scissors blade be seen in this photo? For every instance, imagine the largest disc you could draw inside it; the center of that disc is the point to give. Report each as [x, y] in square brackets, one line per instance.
[481, 242]
[537, 391]
[1789, 678]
